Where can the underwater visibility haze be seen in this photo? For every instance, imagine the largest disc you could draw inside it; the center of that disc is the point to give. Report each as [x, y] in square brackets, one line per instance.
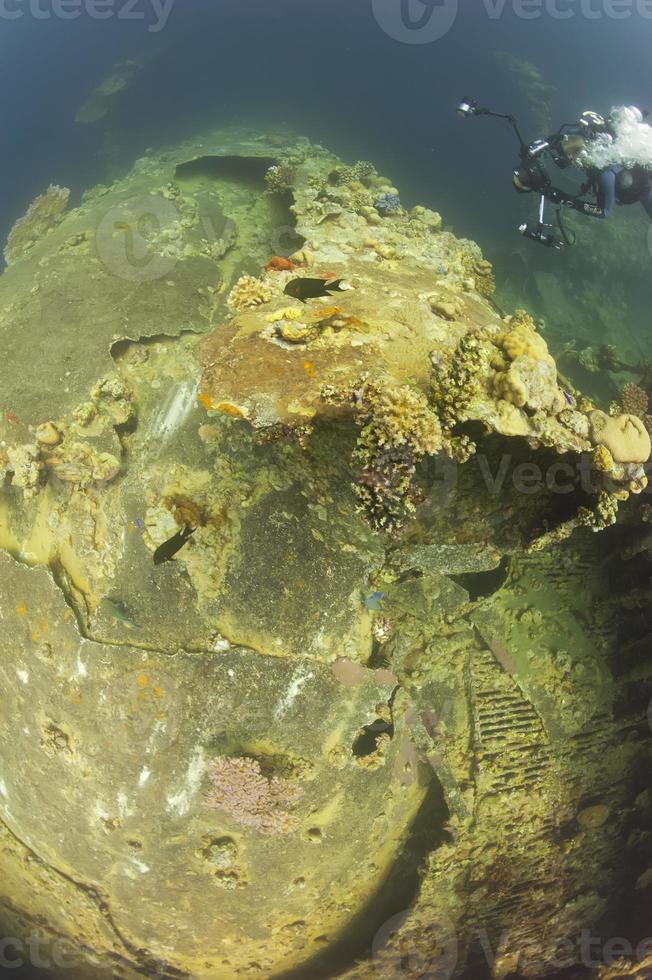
[325, 525]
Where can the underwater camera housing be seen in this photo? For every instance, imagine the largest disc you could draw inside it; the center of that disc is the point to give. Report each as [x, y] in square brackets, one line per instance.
[542, 233]
[530, 177]
[538, 233]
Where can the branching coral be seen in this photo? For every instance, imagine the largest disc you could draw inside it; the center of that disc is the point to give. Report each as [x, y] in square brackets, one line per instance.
[247, 292]
[44, 214]
[455, 384]
[634, 400]
[280, 178]
[483, 274]
[603, 515]
[239, 788]
[400, 429]
[362, 171]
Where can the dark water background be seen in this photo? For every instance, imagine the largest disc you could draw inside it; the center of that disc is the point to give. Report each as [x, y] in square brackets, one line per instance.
[322, 66]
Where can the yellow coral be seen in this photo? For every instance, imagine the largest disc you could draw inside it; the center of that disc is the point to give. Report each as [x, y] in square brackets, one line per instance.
[287, 313]
[522, 338]
[247, 292]
[603, 460]
[401, 416]
[485, 282]
[625, 437]
[530, 382]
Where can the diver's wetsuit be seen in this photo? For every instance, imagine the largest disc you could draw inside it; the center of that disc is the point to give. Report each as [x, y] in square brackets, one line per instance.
[607, 192]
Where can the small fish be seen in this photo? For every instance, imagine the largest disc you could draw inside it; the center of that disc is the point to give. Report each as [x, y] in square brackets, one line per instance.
[308, 288]
[169, 548]
[115, 610]
[373, 601]
[12, 418]
[568, 398]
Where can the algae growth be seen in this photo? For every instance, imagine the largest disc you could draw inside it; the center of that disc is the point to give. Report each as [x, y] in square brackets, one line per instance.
[238, 728]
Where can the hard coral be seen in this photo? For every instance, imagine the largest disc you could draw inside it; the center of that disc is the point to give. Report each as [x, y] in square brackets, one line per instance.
[401, 416]
[240, 789]
[454, 384]
[530, 381]
[634, 400]
[247, 292]
[400, 429]
[603, 460]
[483, 274]
[280, 178]
[625, 437]
[362, 171]
[44, 214]
[522, 339]
[604, 514]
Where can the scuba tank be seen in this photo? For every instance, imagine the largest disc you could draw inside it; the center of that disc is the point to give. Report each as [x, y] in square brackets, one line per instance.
[632, 184]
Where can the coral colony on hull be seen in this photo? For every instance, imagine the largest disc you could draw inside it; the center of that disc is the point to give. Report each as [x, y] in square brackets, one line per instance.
[381, 663]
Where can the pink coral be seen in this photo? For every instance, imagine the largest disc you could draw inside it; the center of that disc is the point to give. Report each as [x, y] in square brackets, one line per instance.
[240, 789]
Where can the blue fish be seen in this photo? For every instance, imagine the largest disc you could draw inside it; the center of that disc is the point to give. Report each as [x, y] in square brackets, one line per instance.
[373, 601]
[568, 398]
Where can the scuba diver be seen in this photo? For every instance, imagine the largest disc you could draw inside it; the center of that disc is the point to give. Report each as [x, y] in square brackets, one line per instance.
[607, 185]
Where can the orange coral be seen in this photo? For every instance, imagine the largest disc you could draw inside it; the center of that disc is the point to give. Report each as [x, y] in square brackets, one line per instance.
[278, 264]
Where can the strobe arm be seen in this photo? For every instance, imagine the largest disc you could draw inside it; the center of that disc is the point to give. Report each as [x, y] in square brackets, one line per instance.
[469, 107]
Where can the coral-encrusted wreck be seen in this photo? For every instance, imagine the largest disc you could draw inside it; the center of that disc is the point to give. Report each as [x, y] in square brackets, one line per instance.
[383, 699]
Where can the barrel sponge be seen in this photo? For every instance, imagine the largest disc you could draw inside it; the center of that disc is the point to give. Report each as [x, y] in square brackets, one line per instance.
[625, 437]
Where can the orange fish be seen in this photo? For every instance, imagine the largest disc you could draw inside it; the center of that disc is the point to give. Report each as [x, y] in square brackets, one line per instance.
[12, 417]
